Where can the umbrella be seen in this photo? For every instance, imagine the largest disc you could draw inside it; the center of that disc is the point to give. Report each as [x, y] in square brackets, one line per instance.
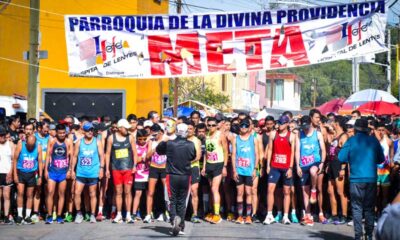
[379, 108]
[332, 106]
[346, 109]
[370, 95]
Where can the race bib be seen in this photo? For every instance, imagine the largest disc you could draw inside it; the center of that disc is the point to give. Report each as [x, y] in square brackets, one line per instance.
[159, 160]
[61, 163]
[212, 156]
[307, 160]
[121, 153]
[86, 161]
[244, 162]
[281, 158]
[28, 163]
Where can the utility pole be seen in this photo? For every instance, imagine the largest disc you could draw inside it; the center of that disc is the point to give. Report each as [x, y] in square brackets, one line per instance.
[314, 89]
[356, 74]
[33, 58]
[389, 68]
[176, 79]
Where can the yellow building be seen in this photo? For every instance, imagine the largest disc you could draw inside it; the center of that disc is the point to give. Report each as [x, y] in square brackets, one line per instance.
[89, 96]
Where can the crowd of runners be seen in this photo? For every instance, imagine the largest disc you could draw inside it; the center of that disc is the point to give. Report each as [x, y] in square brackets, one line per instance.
[284, 170]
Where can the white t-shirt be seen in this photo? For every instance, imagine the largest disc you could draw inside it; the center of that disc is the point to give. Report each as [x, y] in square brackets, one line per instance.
[5, 158]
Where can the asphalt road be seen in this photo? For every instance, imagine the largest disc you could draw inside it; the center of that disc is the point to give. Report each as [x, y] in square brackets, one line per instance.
[160, 230]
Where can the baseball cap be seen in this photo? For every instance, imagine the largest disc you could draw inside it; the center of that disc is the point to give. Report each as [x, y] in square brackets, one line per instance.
[170, 126]
[182, 130]
[147, 123]
[245, 123]
[123, 123]
[261, 122]
[305, 122]
[87, 126]
[283, 119]
[52, 126]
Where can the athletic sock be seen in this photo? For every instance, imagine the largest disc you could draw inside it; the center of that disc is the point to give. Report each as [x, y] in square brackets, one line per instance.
[248, 210]
[19, 211]
[206, 203]
[216, 209]
[101, 210]
[270, 214]
[113, 209]
[119, 214]
[240, 208]
[293, 211]
[28, 212]
[285, 215]
[128, 214]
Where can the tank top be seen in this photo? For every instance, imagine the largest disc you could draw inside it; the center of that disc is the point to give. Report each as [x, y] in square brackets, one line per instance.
[121, 157]
[215, 152]
[43, 141]
[281, 151]
[28, 161]
[5, 158]
[265, 139]
[142, 168]
[384, 168]
[245, 156]
[157, 161]
[334, 149]
[196, 143]
[88, 160]
[59, 159]
[310, 151]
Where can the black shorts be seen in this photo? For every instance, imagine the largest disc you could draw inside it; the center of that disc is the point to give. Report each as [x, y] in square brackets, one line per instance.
[214, 170]
[3, 180]
[334, 168]
[29, 179]
[140, 185]
[195, 175]
[246, 180]
[87, 181]
[157, 173]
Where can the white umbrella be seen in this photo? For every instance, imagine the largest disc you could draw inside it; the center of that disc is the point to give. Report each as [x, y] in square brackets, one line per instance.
[262, 114]
[370, 95]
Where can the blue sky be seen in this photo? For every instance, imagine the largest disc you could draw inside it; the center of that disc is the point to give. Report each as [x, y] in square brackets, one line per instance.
[249, 5]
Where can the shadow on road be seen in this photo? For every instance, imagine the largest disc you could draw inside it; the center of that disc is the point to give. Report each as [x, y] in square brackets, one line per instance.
[329, 235]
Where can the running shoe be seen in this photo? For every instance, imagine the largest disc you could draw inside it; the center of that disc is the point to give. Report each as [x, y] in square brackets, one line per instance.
[209, 217]
[138, 217]
[87, 217]
[79, 218]
[350, 223]
[113, 215]
[340, 221]
[307, 221]
[239, 220]
[147, 219]
[313, 197]
[161, 218]
[167, 217]
[54, 216]
[269, 219]
[60, 220]
[129, 220]
[286, 221]
[28, 220]
[99, 217]
[118, 219]
[195, 219]
[248, 220]
[35, 218]
[294, 218]
[278, 217]
[230, 217]
[181, 233]
[68, 217]
[175, 227]
[49, 220]
[92, 218]
[18, 220]
[7, 221]
[216, 219]
[255, 218]
[322, 219]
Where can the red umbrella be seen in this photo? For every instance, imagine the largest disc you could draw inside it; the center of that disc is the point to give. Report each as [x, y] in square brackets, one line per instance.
[379, 108]
[332, 106]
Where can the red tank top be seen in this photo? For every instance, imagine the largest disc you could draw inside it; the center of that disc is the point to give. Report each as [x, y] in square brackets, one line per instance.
[281, 151]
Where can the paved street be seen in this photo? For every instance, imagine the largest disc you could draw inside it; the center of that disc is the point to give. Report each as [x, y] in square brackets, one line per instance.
[158, 230]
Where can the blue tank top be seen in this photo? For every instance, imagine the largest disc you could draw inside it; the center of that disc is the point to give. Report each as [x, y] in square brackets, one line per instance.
[88, 165]
[59, 159]
[28, 161]
[245, 156]
[310, 151]
[43, 141]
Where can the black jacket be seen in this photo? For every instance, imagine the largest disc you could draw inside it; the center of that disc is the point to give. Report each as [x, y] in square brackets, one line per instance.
[180, 153]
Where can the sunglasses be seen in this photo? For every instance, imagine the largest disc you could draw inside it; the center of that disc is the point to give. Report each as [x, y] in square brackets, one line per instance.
[212, 125]
[90, 130]
[244, 126]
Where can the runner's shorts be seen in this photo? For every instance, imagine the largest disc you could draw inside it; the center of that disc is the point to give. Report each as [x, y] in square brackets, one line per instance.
[246, 180]
[157, 173]
[87, 181]
[141, 185]
[276, 174]
[305, 178]
[57, 177]
[195, 175]
[3, 180]
[122, 177]
[214, 169]
[29, 178]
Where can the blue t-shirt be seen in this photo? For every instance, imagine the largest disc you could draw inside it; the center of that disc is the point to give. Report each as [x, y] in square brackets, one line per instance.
[88, 165]
[310, 150]
[43, 141]
[245, 156]
[28, 161]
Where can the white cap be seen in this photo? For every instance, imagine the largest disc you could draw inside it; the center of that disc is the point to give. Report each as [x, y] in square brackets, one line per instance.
[351, 122]
[123, 123]
[147, 123]
[182, 130]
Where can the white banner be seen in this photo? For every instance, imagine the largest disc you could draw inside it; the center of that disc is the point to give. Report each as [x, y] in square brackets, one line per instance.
[149, 46]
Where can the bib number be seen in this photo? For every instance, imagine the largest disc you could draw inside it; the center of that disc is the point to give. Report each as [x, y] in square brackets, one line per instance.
[281, 158]
[86, 161]
[28, 164]
[159, 160]
[121, 153]
[61, 163]
[244, 162]
[212, 156]
[307, 160]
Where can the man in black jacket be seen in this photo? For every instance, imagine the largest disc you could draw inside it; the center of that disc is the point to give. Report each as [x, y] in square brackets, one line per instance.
[180, 153]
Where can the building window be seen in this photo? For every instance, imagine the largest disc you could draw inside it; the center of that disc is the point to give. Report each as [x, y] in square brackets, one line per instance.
[279, 90]
[268, 89]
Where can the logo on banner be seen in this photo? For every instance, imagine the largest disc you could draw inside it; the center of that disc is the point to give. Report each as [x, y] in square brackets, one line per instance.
[100, 49]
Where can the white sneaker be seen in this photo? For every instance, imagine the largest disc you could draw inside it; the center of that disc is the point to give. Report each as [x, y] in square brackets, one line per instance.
[79, 218]
[147, 219]
[350, 223]
[167, 217]
[129, 220]
[269, 220]
[181, 233]
[117, 219]
[161, 218]
[286, 221]
[35, 218]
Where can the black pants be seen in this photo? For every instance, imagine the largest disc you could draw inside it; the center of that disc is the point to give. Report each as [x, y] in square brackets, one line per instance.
[178, 192]
[363, 196]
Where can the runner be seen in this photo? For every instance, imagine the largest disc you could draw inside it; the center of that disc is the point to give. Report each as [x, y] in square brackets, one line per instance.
[121, 149]
[195, 117]
[57, 170]
[195, 166]
[245, 160]
[309, 146]
[280, 160]
[14, 124]
[27, 164]
[337, 172]
[88, 160]
[142, 171]
[7, 149]
[132, 119]
[215, 165]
